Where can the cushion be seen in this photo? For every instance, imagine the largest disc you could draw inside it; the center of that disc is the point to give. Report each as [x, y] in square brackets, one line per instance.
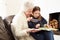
[7, 22]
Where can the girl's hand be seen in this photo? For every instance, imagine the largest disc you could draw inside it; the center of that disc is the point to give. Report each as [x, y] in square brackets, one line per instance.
[37, 26]
[47, 26]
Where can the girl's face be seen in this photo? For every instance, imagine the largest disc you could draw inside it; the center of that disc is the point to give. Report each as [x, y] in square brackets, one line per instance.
[36, 14]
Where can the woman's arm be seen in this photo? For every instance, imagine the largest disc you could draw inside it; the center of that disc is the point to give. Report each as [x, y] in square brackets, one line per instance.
[17, 31]
[17, 26]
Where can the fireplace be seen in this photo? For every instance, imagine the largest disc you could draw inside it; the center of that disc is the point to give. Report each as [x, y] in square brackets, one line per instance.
[54, 19]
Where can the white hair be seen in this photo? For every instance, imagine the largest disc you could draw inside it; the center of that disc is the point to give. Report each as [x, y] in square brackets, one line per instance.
[27, 5]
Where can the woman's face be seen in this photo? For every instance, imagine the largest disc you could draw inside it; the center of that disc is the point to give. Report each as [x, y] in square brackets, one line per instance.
[36, 14]
[28, 12]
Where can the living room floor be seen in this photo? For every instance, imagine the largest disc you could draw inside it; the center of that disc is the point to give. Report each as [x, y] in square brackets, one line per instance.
[56, 37]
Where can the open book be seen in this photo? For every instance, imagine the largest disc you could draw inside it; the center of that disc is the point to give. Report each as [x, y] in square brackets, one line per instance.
[47, 29]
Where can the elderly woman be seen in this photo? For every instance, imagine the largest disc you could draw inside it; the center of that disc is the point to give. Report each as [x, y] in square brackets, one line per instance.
[19, 24]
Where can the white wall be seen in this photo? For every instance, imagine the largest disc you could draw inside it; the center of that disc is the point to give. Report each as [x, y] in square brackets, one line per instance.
[2, 8]
[10, 7]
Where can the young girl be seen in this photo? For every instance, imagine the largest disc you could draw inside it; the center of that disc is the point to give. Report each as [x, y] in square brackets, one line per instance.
[38, 21]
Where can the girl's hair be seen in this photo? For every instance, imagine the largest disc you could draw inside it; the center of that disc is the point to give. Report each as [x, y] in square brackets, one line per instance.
[35, 9]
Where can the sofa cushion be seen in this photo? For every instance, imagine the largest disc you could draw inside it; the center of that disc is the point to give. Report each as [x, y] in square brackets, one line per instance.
[3, 32]
[7, 22]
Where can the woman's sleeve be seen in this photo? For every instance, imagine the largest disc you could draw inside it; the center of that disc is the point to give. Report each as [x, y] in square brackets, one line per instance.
[17, 31]
[17, 26]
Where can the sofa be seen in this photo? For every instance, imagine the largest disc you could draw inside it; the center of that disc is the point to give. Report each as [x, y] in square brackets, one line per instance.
[3, 31]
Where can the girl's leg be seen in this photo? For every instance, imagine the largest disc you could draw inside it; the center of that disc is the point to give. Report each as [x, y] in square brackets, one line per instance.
[48, 35]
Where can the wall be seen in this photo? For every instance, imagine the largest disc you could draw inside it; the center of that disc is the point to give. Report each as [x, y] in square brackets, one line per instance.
[11, 7]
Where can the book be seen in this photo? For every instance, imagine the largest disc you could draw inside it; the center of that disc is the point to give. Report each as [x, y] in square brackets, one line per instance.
[48, 29]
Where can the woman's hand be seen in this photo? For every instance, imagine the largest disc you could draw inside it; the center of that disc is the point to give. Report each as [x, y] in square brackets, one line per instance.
[29, 18]
[33, 30]
[29, 30]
